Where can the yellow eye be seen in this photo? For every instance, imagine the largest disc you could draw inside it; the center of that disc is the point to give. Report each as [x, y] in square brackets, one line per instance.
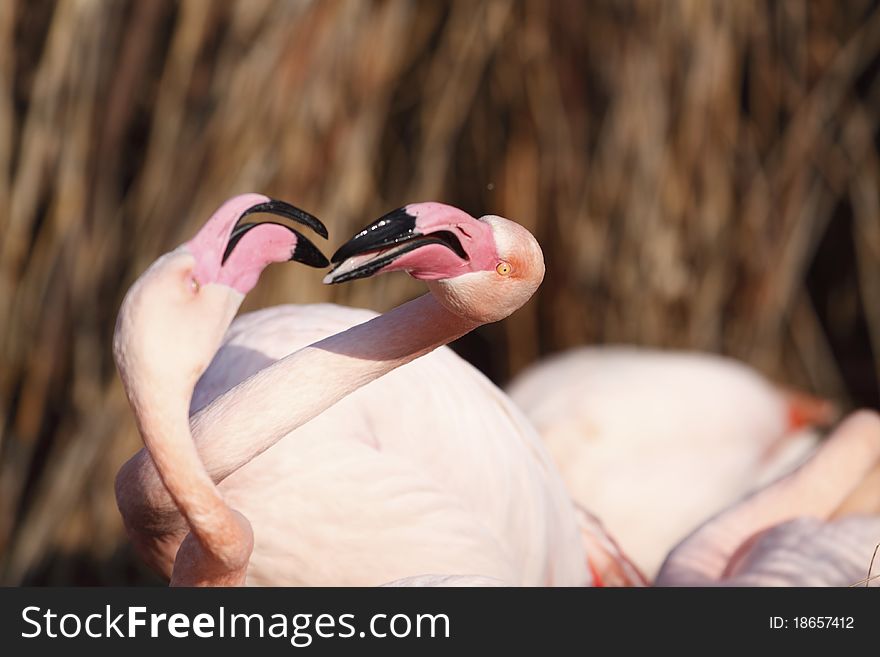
[503, 268]
[194, 285]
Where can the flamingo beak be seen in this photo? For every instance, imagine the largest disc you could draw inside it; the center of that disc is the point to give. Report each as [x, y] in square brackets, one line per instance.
[305, 251]
[382, 242]
[282, 209]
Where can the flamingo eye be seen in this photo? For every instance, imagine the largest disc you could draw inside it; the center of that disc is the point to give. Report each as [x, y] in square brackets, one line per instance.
[503, 268]
[194, 285]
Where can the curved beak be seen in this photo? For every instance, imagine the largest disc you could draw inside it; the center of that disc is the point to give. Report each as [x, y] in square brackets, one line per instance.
[304, 251]
[282, 209]
[384, 241]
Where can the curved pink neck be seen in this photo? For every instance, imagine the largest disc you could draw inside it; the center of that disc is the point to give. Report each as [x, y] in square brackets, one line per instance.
[251, 417]
[165, 429]
[837, 470]
[292, 391]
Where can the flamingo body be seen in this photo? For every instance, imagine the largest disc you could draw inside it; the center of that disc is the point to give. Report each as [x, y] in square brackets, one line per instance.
[429, 469]
[655, 442]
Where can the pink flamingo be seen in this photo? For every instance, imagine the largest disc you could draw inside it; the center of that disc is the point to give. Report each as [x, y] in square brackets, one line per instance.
[162, 344]
[817, 526]
[430, 470]
[655, 441]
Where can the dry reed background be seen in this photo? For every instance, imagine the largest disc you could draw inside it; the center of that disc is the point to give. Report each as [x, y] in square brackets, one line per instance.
[701, 174]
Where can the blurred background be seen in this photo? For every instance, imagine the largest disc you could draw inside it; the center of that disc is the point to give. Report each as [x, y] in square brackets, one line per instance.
[701, 174]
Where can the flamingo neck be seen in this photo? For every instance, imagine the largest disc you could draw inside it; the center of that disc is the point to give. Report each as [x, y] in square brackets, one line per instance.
[297, 388]
[163, 423]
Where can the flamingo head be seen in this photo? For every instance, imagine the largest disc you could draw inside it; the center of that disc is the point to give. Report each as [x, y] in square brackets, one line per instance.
[174, 316]
[481, 269]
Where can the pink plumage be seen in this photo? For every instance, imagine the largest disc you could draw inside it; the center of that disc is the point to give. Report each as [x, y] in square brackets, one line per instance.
[817, 526]
[430, 470]
[654, 442]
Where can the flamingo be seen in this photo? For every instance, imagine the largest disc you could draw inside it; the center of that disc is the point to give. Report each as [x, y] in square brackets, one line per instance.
[349, 480]
[817, 526]
[655, 442]
[162, 344]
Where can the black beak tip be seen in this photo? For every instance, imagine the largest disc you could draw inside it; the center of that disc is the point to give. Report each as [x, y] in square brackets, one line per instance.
[308, 254]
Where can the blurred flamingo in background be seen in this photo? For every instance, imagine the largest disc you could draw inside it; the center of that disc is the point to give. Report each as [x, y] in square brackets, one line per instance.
[817, 526]
[655, 442]
[430, 470]
[169, 327]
